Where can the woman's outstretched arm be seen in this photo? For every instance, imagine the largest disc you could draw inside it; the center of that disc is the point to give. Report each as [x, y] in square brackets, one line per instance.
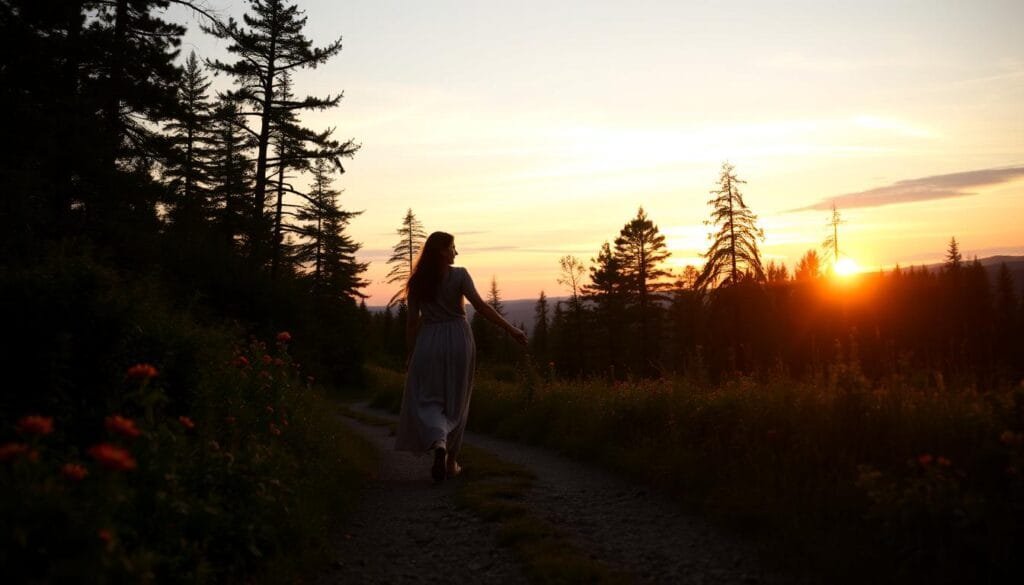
[493, 316]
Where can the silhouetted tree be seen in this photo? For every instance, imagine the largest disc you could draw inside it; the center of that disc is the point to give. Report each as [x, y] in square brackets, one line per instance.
[270, 45]
[336, 273]
[953, 257]
[571, 275]
[230, 172]
[640, 251]
[831, 243]
[539, 340]
[403, 255]
[777, 272]
[808, 267]
[733, 253]
[189, 132]
[607, 292]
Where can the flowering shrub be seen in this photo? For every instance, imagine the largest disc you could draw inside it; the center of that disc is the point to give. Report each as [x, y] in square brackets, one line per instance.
[149, 493]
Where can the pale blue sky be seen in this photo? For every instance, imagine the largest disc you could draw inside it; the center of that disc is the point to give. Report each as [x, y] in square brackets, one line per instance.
[536, 129]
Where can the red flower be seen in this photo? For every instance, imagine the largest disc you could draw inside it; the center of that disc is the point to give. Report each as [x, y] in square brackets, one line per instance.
[74, 471]
[141, 372]
[284, 337]
[925, 459]
[112, 457]
[120, 425]
[240, 361]
[278, 362]
[35, 425]
[10, 451]
[105, 535]
[267, 359]
[274, 430]
[186, 422]
[269, 409]
[943, 462]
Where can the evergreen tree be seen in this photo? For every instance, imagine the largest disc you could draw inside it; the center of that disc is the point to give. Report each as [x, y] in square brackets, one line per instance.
[270, 45]
[831, 243]
[953, 257]
[640, 251]
[189, 136]
[809, 266]
[777, 272]
[607, 291]
[403, 255]
[733, 253]
[326, 246]
[230, 171]
[539, 340]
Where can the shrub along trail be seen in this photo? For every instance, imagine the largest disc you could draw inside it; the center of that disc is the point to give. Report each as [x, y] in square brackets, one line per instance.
[409, 529]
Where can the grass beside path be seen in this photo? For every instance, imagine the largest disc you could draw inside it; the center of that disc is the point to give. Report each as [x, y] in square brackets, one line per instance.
[496, 490]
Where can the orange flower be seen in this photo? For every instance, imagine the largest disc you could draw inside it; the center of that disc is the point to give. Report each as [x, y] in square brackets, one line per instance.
[74, 471]
[240, 361]
[284, 337]
[10, 451]
[112, 457]
[925, 459]
[35, 425]
[120, 425]
[943, 462]
[186, 422]
[141, 372]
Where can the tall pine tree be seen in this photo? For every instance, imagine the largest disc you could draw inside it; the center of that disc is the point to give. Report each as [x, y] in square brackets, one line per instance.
[733, 254]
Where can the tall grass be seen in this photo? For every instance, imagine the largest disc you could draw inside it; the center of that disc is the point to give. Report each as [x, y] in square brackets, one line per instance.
[845, 478]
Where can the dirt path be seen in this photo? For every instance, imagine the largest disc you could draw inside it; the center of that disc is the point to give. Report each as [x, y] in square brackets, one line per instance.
[409, 530]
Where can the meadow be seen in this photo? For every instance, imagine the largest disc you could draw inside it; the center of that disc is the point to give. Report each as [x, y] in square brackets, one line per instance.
[838, 477]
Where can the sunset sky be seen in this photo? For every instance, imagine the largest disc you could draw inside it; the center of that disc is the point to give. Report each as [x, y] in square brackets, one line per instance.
[532, 130]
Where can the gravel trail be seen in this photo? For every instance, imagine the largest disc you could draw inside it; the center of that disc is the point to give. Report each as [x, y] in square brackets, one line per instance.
[622, 524]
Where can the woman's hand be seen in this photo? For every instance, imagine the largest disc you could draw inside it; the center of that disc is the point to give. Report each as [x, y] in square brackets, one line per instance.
[519, 335]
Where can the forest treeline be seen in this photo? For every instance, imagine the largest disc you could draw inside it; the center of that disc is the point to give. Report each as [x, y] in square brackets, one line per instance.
[625, 315]
[116, 147]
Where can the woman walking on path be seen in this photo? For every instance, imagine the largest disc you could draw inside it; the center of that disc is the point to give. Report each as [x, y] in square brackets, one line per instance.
[442, 355]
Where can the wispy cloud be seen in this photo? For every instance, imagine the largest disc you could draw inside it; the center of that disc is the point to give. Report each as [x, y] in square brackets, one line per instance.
[959, 184]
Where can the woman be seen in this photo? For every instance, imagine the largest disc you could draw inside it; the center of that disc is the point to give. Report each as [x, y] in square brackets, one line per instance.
[442, 355]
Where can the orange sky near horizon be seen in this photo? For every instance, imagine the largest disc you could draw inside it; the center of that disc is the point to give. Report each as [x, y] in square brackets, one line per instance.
[531, 131]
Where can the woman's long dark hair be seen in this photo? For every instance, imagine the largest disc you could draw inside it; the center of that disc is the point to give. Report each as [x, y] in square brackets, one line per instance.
[426, 274]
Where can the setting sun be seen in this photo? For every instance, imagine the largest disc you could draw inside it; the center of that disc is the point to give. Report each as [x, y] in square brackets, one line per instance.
[846, 267]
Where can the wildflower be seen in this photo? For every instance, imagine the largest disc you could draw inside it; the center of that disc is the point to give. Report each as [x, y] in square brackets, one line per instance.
[141, 372]
[310, 379]
[943, 462]
[269, 409]
[240, 362]
[186, 422]
[105, 535]
[10, 451]
[925, 459]
[265, 374]
[284, 337]
[112, 457]
[274, 430]
[35, 425]
[278, 362]
[120, 425]
[267, 359]
[74, 471]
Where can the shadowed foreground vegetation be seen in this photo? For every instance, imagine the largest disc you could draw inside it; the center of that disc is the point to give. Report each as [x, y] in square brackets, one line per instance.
[151, 448]
[851, 480]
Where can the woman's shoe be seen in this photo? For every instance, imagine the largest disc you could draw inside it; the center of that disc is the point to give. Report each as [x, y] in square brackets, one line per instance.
[438, 471]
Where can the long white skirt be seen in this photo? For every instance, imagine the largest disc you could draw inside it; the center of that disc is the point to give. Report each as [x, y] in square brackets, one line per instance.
[438, 386]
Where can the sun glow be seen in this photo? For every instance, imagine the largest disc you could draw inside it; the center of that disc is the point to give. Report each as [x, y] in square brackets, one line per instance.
[846, 267]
